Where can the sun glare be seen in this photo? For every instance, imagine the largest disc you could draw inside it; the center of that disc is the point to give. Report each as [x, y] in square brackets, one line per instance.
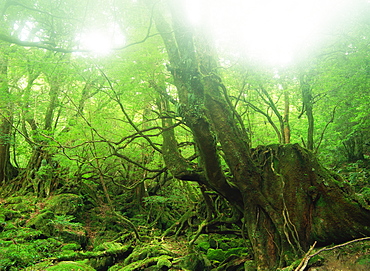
[101, 42]
[270, 31]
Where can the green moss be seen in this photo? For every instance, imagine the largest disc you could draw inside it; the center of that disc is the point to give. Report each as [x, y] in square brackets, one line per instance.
[364, 261]
[64, 204]
[23, 254]
[238, 251]
[216, 255]
[236, 243]
[28, 233]
[39, 266]
[317, 260]
[224, 246]
[67, 254]
[110, 247]
[71, 246]
[203, 246]
[100, 263]
[68, 265]
[11, 214]
[43, 222]
[23, 207]
[9, 226]
[366, 191]
[13, 200]
[150, 251]
[159, 262]
[164, 260]
[250, 266]
[193, 261]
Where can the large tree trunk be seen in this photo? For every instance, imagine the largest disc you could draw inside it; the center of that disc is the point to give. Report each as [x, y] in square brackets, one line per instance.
[287, 198]
[309, 203]
[7, 171]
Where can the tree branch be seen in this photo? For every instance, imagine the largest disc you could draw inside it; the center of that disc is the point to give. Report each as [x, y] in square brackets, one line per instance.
[118, 100]
[323, 131]
[302, 266]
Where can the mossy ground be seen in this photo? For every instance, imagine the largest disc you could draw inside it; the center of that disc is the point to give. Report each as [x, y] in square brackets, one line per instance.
[64, 233]
[39, 234]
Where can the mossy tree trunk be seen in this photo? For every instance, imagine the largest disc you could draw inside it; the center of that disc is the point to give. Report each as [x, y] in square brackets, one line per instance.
[309, 203]
[39, 174]
[288, 200]
[7, 170]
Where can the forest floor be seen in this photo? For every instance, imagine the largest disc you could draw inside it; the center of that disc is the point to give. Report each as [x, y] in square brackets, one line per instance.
[63, 232]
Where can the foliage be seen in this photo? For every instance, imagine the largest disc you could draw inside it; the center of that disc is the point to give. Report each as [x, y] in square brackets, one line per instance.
[20, 255]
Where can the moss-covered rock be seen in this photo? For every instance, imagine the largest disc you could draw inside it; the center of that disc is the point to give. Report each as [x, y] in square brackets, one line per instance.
[145, 257]
[112, 252]
[216, 254]
[163, 262]
[69, 265]
[43, 222]
[149, 251]
[213, 242]
[64, 204]
[203, 246]
[194, 262]
[110, 247]
[238, 251]
[71, 246]
[62, 226]
[76, 234]
[42, 266]
[101, 263]
[224, 245]
[99, 259]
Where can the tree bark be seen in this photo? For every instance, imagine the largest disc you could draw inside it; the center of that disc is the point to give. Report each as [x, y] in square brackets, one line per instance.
[7, 171]
[286, 131]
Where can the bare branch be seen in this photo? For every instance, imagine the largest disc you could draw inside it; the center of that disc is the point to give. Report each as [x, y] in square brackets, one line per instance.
[118, 100]
[323, 131]
[302, 266]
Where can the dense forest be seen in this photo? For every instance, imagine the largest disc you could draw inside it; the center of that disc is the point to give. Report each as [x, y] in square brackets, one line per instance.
[184, 135]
